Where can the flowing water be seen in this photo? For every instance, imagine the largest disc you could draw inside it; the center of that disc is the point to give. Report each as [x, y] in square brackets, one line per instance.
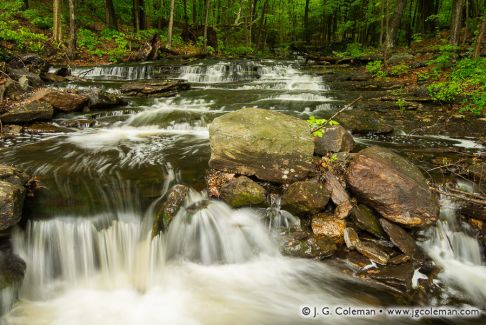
[88, 247]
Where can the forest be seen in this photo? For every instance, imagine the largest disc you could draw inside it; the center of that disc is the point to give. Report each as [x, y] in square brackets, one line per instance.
[242, 162]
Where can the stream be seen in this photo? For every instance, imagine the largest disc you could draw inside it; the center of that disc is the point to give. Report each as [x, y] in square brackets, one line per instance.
[88, 248]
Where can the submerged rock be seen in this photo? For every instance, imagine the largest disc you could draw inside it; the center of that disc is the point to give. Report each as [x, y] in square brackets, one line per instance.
[12, 270]
[334, 139]
[305, 198]
[327, 226]
[393, 187]
[161, 88]
[242, 191]
[256, 142]
[175, 198]
[28, 112]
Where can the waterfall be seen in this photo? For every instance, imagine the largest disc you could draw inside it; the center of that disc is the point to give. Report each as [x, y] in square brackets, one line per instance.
[458, 254]
[108, 270]
[122, 72]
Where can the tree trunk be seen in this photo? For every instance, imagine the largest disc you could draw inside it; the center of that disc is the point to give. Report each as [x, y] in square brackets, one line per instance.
[72, 29]
[306, 23]
[110, 16]
[26, 5]
[206, 18]
[393, 30]
[171, 24]
[456, 21]
[479, 41]
[186, 19]
[194, 12]
[136, 15]
[57, 28]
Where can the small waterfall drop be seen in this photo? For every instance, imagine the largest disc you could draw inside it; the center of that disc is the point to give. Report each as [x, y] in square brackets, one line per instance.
[457, 253]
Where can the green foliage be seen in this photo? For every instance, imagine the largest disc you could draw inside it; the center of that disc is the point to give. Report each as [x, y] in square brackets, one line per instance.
[375, 69]
[399, 69]
[333, 158]
[37, 19]
[319, 122]
[356, 50]
[88, 40]
[444, 91]
[467, 80]
[445, 58]
[401, 104]
[238, 51]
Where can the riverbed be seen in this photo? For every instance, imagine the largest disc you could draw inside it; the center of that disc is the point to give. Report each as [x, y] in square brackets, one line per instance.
[90, 257]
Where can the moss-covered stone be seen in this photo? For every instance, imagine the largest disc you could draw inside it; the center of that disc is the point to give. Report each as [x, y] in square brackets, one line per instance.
[256, 142]
[242, 191]
[305, 198]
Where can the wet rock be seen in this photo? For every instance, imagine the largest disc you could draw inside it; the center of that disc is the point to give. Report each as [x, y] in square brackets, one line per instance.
[334, 139]
[12, 269]
[472, 210]
[215, 180]
[12, 90]
[398, 58]
[175, 198]
[305, 198]
[52, 77]
[398, 276]
[242, 191]
[256, 142]
[326, 226]
[102, 99]
[338, 195]
[365, 219]
[39, 128]
[28, 112]
[13, 175]
[400, 238]
[351, 238]
[31, 62]
[11, 203]
[298, 243]
[399, 259]
[373, 252]
[29, 79]
[393, 187]
[79, 123]
[11, 131]
[360, 122]
[143, 88]
[63, 101]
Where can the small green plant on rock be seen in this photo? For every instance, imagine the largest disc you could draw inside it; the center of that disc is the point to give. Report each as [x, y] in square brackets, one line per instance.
[401, 104]
[318, 123]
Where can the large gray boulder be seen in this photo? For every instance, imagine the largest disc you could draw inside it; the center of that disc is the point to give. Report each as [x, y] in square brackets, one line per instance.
[12, 195]
[256, 142]
[28, 112]
[392, 186]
